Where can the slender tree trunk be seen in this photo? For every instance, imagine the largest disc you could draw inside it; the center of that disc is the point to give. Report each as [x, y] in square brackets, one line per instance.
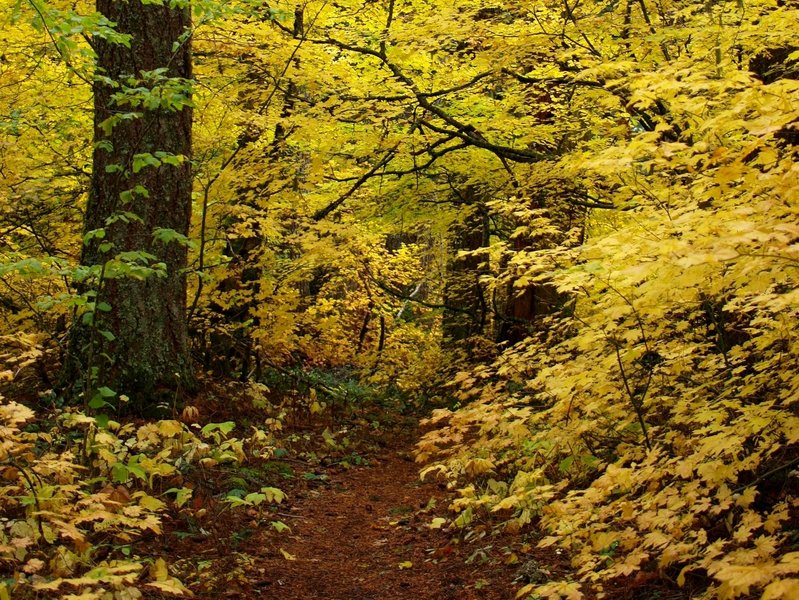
[462, 288]
[146, 353]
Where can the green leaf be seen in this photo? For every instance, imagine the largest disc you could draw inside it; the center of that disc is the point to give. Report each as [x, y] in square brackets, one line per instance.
[104, 145]
[25, 267]
[125, 216]
[237, 497]
[97, 402]
[280, 526]
[464, 518]
[94, 234]
[136, 469]
[119, 473]
[273, 494]
[182, 495]
[225, 427]
[566, 464]
[254, 498]
[165, 236]
[141, 161]
[170, 159]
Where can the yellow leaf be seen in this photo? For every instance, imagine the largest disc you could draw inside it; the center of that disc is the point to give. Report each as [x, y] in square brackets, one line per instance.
[86, 595]
[786, 589]
[439, 468]
[273, 494]
[525, 590]
[128, 593]
[478, 466]
[405, 565]
[746, 497]
[171, 586]
[159, 570]
[170, 428]
[148, 502]
[34, 565]
[507, 503]
[287, 555]
[737, 579]
[555, 590]
[548, 541]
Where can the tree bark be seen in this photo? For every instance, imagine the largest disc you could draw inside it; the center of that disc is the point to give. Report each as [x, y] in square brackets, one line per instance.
[520, 311]
[148, 351]
[462, 287]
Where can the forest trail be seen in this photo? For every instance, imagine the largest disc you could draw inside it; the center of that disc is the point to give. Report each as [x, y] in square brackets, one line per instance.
[363, 534]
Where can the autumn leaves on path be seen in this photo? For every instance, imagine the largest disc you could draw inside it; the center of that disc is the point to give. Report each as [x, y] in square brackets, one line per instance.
[364, 534]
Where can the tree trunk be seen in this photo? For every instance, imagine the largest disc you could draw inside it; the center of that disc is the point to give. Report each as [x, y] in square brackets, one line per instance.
[463, 293]
[520, 311]
[146, 353]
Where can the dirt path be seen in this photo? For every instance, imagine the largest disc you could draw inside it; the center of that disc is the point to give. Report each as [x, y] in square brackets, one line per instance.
[361, 533]
[360, 536]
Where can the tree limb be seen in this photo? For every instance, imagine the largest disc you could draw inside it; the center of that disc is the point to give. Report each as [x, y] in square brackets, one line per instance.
[323, 212]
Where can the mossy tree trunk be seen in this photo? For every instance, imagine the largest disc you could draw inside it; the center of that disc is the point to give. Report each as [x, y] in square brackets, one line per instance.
[140, 206]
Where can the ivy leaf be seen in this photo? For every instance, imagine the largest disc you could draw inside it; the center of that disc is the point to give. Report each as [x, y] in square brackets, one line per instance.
[143, 160]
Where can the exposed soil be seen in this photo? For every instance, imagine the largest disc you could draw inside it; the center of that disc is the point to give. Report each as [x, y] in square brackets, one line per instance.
[361, 537]
[358, 528]
[357, 532]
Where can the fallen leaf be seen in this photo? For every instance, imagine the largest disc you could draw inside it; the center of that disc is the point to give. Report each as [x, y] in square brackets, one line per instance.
[287, 555]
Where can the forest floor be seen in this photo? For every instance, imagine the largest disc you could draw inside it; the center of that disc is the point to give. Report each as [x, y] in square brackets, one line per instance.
[359, 528]
[356, 521]
[364, 534]
[356, 525]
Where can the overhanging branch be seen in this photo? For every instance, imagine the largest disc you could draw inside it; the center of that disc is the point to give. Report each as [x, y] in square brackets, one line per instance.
[322, 213]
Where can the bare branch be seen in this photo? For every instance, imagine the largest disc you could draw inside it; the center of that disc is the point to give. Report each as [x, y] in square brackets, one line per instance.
[323, 212]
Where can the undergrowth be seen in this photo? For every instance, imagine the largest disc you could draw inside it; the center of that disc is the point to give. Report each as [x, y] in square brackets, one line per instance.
[651, 427]
[79, 499]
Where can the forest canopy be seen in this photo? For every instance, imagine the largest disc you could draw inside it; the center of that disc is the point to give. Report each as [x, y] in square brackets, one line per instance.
[568, 229]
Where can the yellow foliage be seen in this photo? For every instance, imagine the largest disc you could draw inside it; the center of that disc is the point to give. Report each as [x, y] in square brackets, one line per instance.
[658, 408]
[56, 509]
[635, 161]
